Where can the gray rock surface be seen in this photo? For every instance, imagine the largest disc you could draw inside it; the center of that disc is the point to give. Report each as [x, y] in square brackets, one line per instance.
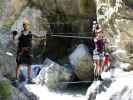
[116, 83]
[115, 16]
[52, 75]
[8, 92]
[82, 62]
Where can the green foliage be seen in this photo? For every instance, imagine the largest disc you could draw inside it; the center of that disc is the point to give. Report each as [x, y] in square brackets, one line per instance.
[5, 90]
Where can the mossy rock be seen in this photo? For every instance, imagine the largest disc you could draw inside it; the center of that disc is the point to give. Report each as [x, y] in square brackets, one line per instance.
[5, 90]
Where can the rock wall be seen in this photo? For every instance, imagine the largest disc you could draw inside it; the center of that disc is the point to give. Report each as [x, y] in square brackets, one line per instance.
[115, 16]
[9, 11]
[71, 9]
[68, 7]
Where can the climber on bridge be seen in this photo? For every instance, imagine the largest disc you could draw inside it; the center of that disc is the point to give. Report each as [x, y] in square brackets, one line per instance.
[100, 55]
[24, 49]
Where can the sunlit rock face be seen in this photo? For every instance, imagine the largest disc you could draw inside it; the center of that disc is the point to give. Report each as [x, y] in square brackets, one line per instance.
[9, 11]
[82, 63]
[116, 18]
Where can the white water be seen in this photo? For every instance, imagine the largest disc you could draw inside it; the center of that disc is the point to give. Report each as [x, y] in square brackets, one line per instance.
[43, 93]
[121, 87]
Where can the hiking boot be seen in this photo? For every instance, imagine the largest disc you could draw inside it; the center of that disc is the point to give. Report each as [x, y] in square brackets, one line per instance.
[30, 81]
[100, 78]
[15, 83]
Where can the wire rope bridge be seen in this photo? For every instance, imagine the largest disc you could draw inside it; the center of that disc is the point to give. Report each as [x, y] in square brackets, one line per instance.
[68, 31]
[82, 29]
[65, 30]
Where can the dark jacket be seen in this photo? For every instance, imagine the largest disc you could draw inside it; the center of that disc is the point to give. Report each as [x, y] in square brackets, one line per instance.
[100, 45]
[25, 41]
[24, 49]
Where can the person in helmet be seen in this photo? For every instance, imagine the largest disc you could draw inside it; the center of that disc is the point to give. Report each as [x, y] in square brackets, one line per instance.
[24, 49]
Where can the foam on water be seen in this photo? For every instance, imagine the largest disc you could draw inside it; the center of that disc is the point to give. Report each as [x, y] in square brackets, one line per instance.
[43, 93]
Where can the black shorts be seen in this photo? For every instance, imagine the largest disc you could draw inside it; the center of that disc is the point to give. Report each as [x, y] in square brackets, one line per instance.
[24, 59]
[24, 56]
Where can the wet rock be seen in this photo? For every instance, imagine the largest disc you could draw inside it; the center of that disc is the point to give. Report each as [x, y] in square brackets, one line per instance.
[7, 64]
[114, 90]
[82, 62]
[23, 88]
[96, 88]
[119, 54]
[120, 59]
[8, 92]
[110, 88]
[52, 75]
[130, 67]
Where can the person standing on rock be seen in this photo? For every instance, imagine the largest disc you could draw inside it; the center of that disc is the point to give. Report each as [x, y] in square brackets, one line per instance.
[24, 49]
[99, 52]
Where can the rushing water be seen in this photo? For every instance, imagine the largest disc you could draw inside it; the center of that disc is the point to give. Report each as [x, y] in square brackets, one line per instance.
[72, 92]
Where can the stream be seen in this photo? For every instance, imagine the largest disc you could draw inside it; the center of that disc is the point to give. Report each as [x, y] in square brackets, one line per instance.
[71, 92]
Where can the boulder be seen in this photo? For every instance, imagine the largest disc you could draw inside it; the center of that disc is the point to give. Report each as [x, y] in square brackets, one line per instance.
[82, 62]
[7, 64]
[52, 75]
[119, 54]
[112, 89]
[97, 88]
[115, 85]
[8, 92]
